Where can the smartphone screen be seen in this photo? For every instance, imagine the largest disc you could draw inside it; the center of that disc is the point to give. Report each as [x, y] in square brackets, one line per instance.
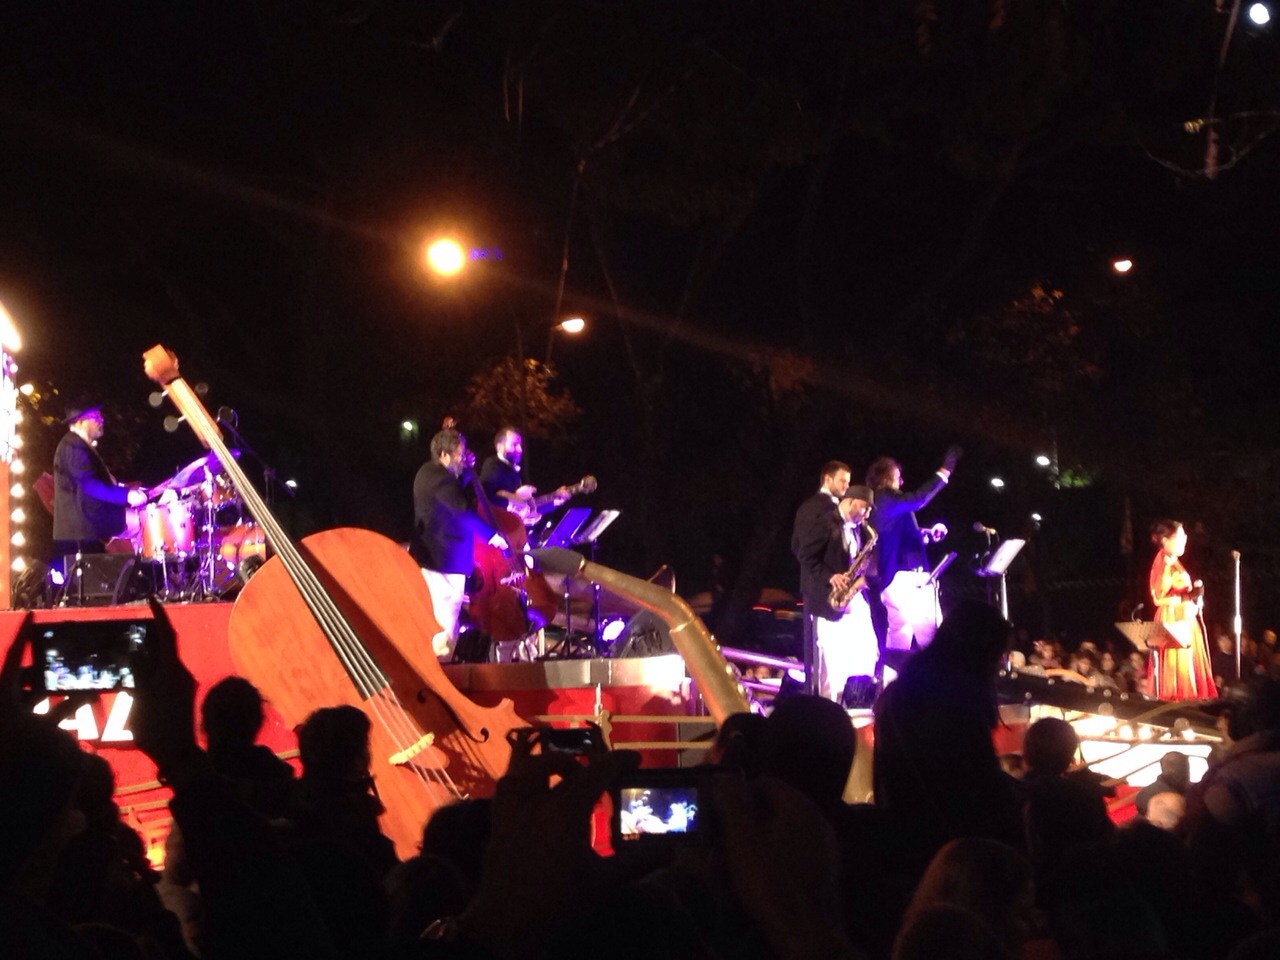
[657, 810]
[87, 654]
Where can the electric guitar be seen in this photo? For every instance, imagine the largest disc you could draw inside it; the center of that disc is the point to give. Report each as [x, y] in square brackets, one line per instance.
[531, 509]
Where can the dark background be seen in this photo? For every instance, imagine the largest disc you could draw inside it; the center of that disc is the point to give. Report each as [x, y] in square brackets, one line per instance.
[798, 230]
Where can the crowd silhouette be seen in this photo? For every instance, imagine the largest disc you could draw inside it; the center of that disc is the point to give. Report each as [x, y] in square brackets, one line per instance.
[955, 858]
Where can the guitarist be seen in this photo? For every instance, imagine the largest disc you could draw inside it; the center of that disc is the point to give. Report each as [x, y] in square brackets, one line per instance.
[829, 532]
[445, 528]
[502, 482]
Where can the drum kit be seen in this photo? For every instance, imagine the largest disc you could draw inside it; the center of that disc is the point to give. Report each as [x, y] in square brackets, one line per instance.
[195, 536]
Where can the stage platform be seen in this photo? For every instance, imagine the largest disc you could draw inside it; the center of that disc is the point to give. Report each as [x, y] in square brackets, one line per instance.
[643, 704]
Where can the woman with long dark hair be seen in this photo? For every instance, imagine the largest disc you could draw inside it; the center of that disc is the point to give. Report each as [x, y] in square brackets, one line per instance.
[1183, 672]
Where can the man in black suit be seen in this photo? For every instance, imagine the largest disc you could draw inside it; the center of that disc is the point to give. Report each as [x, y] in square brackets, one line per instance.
[900, 566]
[445, 526]
[829, 532]
[88, 505]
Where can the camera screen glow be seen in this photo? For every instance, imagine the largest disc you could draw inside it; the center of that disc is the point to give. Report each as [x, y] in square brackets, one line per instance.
[89, 656]
[655, 810]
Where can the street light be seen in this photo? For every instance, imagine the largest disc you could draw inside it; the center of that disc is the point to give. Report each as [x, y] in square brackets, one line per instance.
[1122, 265]
[570, 325]
[445, 257]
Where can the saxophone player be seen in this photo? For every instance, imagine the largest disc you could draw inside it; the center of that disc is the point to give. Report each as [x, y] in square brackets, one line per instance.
[830, 532]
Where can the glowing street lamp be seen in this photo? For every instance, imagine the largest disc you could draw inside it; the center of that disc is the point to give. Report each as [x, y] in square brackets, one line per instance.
[570, 325]
[997, 482]
[1122, 265]
[1043, 461]
[445, 257]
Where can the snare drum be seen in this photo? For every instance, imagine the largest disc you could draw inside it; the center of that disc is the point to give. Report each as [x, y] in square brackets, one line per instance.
[166, 530]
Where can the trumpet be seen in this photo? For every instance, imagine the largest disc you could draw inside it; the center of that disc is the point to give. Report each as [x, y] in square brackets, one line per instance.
[840, 598]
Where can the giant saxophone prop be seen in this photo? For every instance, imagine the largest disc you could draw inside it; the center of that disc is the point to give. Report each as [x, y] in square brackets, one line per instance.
[710, 671]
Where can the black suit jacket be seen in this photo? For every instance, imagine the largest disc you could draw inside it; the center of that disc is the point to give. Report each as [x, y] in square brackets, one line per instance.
[87, 503]
[444, 524]
[817, 541]
[901, 545]
[497, 474]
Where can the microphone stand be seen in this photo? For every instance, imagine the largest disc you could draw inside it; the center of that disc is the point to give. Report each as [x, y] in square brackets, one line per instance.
[1238, 621]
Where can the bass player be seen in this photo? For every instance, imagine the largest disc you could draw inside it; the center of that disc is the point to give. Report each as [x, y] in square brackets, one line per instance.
[830, 532]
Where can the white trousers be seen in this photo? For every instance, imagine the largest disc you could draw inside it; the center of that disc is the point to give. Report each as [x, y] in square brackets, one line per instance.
[844, 648]
[911, 602]
[448, 591]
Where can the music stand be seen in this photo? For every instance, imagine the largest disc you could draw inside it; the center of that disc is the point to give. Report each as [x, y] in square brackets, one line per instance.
[1149, 635]
[997, 564]
[566, 529]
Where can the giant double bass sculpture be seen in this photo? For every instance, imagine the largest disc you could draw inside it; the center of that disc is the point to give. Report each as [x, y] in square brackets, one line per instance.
[344, 617]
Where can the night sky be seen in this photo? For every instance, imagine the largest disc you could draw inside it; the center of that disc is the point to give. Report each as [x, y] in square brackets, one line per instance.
[798, 231]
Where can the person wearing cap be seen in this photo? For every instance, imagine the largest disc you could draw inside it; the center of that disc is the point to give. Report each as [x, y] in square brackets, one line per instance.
[829, 532]
[88, 504]
[900, 566]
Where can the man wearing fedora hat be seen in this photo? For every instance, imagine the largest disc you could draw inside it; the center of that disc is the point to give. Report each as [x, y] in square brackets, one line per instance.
[88, 504]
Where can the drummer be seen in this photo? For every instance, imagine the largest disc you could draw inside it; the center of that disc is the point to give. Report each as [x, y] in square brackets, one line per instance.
[88, 504]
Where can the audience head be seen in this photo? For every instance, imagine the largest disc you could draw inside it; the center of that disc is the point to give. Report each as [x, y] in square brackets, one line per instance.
[1252, 707]
[1175, 770]
[985, 878]
[808, 743]
[738, 743]
[974, 638]
[1050, 746]
[40, 768]
[231, 714]
[333, 744]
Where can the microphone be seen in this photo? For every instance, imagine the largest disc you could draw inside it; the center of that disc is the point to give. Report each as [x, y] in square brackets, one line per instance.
[980, 527]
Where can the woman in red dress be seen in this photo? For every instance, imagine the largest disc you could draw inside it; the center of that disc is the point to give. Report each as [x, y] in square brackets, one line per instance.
[1182, 672]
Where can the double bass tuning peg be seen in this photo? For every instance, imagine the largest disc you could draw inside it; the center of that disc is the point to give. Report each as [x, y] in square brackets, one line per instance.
[157, 398]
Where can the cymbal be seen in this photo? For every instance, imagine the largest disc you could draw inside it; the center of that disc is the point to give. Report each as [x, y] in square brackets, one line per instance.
[194, 472]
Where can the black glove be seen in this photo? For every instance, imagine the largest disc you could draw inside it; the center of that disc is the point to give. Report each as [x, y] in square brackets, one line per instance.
[950, 457]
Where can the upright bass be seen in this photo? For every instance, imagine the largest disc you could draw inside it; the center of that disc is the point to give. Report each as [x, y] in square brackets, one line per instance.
[344, 617]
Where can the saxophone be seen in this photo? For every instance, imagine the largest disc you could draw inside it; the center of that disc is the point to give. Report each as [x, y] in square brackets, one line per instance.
[840, 598]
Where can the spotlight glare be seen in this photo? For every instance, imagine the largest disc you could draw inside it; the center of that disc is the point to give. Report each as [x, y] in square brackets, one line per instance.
[573, 325]
[1122, 265]
[17, 491]
[291, 484]
[17, 467]
[1043, 461]
[19, 515]
[1260, 14]
[19, 564]
[27, 389]
[997, 482]
[19, 539]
